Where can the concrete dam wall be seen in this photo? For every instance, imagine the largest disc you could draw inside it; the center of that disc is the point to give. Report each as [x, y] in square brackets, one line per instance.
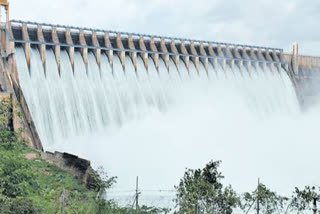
[71, 80]
[304, 72]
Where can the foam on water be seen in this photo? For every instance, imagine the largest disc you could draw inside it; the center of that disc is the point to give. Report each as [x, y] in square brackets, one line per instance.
[153, 123]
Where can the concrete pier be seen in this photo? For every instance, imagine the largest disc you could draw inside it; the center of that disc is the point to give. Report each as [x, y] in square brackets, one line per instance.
[109, 47]
[195, 57]
[155, 55]
[144, 53]
[56, 47]
[164, 51]
[70, 47]
[175, 54]
[121, 53]
[26, 46]
[185, 57]
[41, 47]
[133, 54]
[97, 51]
[83, 49]
[204, 60]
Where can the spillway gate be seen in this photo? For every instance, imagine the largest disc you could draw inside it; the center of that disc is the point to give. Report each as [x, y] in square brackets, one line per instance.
[303, 70]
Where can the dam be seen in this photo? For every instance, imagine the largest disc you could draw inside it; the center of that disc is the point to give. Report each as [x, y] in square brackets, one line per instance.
[90, 79]
[120, 75]
[72, 82]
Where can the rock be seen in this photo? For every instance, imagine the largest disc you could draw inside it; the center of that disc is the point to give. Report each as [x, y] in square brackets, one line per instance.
[77, 166]
[75, 162]
[30, 156]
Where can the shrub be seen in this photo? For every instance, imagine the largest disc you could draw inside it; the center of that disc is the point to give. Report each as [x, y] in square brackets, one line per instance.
[202, 189]
[14, 206]
[16, 178]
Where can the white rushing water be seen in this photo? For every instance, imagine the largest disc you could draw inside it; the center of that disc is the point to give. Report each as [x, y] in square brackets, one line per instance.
[153, 124]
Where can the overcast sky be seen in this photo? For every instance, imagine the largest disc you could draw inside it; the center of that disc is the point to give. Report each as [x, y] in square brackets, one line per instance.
[276, 23]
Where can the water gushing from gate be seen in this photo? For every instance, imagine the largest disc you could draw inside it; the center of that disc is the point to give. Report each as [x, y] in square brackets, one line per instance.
[90, 101]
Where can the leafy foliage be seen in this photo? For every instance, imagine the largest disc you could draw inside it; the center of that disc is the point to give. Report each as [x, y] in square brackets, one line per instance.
[4, 112]
[14, 206]
[203, 188]
[16, 178]
[302, 199]
[7, 139]
[100, 181]
[36, 185]
[269, 201]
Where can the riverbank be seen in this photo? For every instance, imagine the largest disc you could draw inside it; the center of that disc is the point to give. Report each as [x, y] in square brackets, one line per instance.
[36, 182]
[29, 184]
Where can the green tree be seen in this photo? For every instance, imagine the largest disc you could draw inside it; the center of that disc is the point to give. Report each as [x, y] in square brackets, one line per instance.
[100, 182]
[202, 190]
[269, 201]
[303, 200]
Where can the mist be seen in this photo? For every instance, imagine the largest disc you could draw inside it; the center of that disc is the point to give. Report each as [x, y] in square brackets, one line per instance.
[254, 126]
[249, 118]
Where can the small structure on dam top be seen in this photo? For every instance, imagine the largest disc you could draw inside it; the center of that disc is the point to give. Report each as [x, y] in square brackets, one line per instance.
[303, 70]
[5, 5]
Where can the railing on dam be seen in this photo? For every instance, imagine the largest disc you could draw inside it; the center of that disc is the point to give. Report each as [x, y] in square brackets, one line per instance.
[61, 37]
[57, 37]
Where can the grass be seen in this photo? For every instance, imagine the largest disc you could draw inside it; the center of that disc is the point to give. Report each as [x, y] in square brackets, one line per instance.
[35, 186]
[47, 187]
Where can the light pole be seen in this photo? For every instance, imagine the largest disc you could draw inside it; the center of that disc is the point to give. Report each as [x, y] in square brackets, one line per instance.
[314, 208]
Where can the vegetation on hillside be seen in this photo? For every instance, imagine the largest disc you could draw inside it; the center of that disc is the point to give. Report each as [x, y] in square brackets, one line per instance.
[34, 186]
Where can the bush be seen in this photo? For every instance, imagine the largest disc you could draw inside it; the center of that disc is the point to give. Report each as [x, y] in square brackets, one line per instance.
[4, 112]
[15, 206]
[16, 178]
[7, 139]
[202, 189]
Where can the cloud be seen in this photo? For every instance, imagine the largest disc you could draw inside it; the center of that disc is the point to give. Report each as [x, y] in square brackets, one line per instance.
[270, 23]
